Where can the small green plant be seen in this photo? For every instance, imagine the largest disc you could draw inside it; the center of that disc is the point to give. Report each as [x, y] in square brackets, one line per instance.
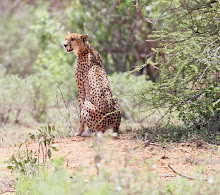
[46, 140]
[23, 161]
[27, 161]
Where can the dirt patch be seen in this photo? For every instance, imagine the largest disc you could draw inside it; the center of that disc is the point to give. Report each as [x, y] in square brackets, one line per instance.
[79, 153]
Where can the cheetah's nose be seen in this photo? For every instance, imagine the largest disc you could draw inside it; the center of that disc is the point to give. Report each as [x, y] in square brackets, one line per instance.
[65, 45]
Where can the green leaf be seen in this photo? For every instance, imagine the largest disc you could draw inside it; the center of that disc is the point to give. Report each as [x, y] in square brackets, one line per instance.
[19, 146]
[9, 167]
[194, 67]
[49, 128]
[32, 136]
[35, 160]
[20, 164]
[216, 102]
[54, 149]
[49, 153]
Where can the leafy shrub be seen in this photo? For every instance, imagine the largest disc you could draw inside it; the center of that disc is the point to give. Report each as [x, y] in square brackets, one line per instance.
[126, 89]
[45, 136]
[189, 66]
[119, 36]
[52, 67]
[18, 45]
[28, 162]
[23, 161]
[52, 71]
[15, 98]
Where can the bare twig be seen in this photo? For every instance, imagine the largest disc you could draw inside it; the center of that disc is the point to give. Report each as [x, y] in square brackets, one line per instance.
[203, 73]
[167, 175]
[67, 121]
[141, 14]
[97, 160]
[38, 157]
[186, 176]
[27, 151]
[8, 191]
[42, 153]
[67, 154]
[9, 9]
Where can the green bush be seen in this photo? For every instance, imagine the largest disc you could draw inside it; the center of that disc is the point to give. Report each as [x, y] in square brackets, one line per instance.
[53, 67]
[16, 96]
[28, 161]
[119, 36]
[188, 64]
[18, 45]
[52, 71]
[125, 88]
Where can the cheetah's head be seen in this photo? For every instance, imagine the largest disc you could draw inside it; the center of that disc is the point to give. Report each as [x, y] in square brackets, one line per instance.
[75, 42]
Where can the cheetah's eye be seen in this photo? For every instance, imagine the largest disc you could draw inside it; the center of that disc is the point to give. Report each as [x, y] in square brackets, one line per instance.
[72, 39]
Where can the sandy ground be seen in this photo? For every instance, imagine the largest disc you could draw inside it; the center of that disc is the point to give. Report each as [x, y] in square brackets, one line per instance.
[79, 153]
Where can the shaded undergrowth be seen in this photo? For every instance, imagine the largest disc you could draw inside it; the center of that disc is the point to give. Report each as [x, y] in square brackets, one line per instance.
[177, 134]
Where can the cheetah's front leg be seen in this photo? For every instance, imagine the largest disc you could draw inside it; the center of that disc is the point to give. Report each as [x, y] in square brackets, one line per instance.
[82, 132]
[82, 121]
[84, 117]
[81, 129]
[87, 119]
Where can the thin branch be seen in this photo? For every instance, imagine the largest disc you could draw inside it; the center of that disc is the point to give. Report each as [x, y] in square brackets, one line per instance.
[67, 121]
[67, 154]
[167, 175]
[186, 176]
[8, 191]
[141, 14]
[203, 73]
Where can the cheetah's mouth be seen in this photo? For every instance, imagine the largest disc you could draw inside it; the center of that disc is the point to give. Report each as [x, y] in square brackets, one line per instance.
[69, 50]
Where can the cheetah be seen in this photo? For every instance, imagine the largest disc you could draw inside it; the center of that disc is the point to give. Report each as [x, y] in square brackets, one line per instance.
[99, 110]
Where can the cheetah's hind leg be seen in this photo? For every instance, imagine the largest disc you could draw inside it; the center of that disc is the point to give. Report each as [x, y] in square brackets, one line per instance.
[83, 116]
[81, 129]
[117, 122]
[88, 116]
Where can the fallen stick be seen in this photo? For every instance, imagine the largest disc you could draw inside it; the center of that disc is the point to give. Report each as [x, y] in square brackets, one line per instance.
[167, 175]
[9, 191]
[186, 176]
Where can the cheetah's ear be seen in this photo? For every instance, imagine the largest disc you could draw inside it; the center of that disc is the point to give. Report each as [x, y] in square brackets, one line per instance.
[84, 37]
